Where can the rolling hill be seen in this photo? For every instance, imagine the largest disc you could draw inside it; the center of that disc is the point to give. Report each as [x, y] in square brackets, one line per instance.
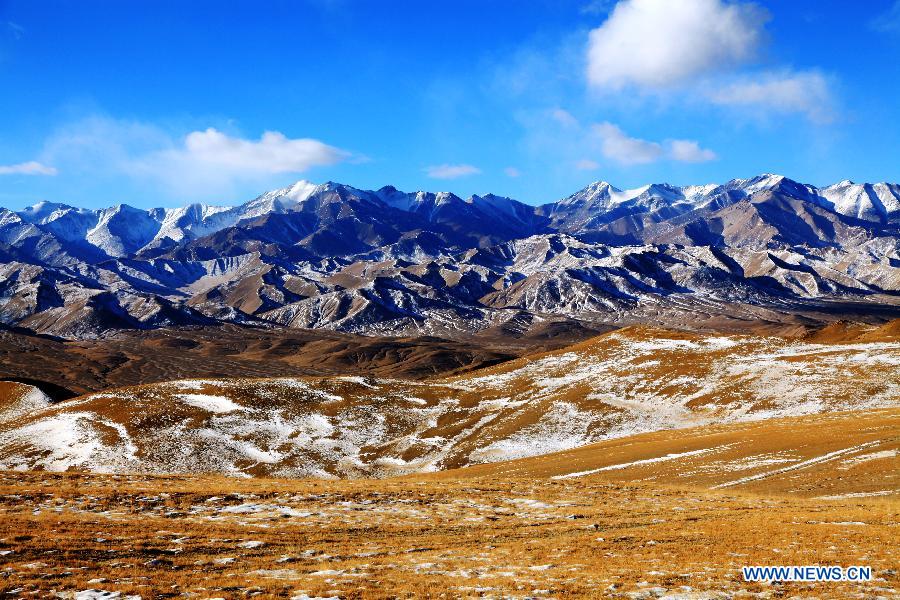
[619, 384]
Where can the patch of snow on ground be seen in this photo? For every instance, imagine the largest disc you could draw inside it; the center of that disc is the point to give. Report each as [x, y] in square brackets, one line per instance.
[862, 458]
[253, 508]
[754, 462]
[32, 399]
[563, 427]
[72, 439]
[858, 495]
[213, 404]
[656, 344]
[194, 384]
[806, 463]
[646, 461]
[102, 595]
[357, 380]
[530, 503]
[721, 343]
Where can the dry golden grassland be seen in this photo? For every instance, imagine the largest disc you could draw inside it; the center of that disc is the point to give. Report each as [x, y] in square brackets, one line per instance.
[504, 530]
[825, 456]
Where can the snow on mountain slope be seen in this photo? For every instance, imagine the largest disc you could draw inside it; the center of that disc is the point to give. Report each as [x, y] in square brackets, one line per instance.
[123, 231]
[869, 202]
[280, 200]
[627, 382]
[15, 231]
[18, 399]
[195, 220]
[511, 212]
[610, 213]
[387, 261]
[43, 211]
[66, 222]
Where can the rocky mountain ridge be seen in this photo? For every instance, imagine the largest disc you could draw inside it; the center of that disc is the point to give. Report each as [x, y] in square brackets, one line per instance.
[387, 262]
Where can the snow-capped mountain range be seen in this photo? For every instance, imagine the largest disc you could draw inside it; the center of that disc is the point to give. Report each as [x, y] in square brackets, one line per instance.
[386, 261]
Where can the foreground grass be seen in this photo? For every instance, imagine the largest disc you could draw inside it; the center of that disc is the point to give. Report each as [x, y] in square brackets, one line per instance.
[527, 537]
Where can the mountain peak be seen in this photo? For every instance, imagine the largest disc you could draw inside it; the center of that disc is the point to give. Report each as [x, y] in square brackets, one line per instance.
[761, 181]
[41, 210]
[601, 185]
[41, 205]
[771, 182]
[445, 197]
[301, 190]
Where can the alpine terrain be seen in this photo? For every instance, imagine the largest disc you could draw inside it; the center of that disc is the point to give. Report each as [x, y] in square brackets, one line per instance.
[329, 392]
[385, 262]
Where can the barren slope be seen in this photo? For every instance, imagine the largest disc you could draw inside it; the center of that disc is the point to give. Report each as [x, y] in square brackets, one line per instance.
[630, 381]
[832, 456]
[134, 358]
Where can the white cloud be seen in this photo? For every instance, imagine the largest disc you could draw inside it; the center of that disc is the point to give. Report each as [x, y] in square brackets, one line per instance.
[202, 164]
[689, 151]
[27, 168]
[585, 146]
[272, 154]
[512, 172]
[616, 145]
[658, 45]
[807, 93]
[451, 171]
[663, 43]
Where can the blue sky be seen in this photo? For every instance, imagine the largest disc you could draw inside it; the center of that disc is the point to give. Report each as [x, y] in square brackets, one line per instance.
[164, 103]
